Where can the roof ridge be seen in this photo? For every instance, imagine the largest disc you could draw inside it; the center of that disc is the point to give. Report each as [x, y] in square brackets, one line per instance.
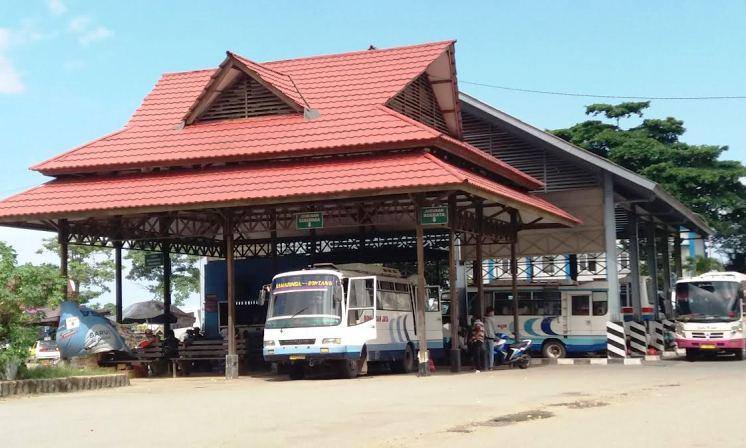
[37, 166]
[448, 167]
[349, 53]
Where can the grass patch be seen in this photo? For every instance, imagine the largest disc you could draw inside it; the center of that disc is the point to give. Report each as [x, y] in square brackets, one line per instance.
[47, 372]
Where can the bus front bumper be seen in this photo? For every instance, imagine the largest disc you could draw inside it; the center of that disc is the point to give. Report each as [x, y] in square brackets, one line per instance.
[289, 353]
[710, 344]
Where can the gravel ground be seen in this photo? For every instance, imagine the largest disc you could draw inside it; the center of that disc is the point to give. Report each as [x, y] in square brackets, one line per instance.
[669, 403]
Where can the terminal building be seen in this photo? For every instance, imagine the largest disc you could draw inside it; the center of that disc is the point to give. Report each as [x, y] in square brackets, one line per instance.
[276, 165]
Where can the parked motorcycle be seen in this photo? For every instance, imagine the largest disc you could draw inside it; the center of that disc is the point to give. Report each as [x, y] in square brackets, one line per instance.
[512, 355]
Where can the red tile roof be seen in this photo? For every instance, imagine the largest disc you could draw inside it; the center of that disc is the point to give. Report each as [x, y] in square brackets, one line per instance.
[259, 182]
[348, 89]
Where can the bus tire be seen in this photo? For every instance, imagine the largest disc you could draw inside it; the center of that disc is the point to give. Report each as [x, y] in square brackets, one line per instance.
[408, 363]
[691, 355]
[351, 368]
[297, 371]
[553, 349]
[738, 355]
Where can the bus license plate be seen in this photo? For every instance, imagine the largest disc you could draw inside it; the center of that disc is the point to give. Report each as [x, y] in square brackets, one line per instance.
[297, 357]
[707, 346]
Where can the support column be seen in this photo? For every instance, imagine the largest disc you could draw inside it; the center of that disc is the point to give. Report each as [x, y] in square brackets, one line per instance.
[455, 354]
[478, 272]
[634, 265]
[652, 252]
[63, 233]
[118, 280]
[231, 359]
[422, 354]
[612, 269]
[667, 305]
[273, 242]
[678, 265]
[572, 261]
[165, 252]
[514, 274]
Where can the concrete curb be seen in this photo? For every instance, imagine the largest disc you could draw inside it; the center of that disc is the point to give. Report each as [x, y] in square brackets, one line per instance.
[70, 384]
[593, 361]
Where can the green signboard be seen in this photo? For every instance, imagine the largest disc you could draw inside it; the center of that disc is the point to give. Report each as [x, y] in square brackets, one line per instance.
[310, 220]
[153, 260]
[434, 215]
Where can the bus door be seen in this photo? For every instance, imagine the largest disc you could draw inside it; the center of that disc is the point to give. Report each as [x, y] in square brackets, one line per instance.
[433, 316]
[361, 309]
[579, 317]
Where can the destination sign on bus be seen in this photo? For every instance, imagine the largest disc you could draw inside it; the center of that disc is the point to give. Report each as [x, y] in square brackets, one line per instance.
[303, 283]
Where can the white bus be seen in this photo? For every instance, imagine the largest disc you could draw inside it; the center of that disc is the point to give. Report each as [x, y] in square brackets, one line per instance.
[560, 317]
[710, 314]
[347, 315]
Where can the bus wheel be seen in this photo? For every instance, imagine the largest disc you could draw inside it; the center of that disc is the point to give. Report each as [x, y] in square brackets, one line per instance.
[408, 362]
[739, 355]
[553, 349]
[297, 371]
[691, 355]
[349, 368]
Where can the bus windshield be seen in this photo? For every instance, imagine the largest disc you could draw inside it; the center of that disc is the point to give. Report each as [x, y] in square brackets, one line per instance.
[708, 301]
[305, 300]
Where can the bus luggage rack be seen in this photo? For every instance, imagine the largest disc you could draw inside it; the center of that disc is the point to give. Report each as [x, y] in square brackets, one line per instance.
[297, 341]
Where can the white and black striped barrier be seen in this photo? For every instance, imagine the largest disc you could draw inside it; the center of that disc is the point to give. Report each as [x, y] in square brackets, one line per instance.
[669, 331]
[616, 345]
[638, 339]
[655, 335]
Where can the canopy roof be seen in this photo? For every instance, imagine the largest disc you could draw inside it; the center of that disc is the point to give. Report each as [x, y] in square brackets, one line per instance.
[347, 92]
[265, 182]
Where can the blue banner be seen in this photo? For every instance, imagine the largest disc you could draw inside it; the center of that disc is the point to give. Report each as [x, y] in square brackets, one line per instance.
[83, 332]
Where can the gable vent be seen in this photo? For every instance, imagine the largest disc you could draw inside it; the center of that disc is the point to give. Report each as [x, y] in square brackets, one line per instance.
[417, 101]
[245, 98]
[557, 174]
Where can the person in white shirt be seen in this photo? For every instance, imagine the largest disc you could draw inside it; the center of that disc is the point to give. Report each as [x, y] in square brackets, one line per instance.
[490, 328]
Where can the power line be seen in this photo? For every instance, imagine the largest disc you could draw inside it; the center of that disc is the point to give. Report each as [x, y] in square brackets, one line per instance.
[591, 95]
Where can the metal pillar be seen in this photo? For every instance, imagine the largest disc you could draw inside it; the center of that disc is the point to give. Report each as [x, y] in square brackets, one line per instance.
[572, 261]
[677, 263]
[63, 234]
[634, 265]
[478, 272]
[612, 270]
[231, 359]
[455, 354]
[422, 354]
[652, 253]
[166, 287]
[273, 243]
[118, 280]
[666, 265]
[514, 275]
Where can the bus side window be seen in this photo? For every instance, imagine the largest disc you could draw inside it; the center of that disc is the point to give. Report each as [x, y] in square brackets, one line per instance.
[600, 303]
[580, 305]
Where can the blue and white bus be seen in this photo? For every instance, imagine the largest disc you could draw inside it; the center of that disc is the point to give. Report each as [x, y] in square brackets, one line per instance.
[347, 316]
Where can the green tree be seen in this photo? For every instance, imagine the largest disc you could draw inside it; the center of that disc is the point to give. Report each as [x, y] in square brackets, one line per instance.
[699, 265]
[184, 275]
[23, 287]
[90, 269]
[695, 174]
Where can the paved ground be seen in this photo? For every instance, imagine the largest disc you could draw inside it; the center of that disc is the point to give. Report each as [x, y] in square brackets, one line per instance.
[673, 403]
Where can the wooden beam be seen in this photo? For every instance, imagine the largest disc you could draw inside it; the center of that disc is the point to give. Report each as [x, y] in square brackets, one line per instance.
[166, 254]
[514, 275]
[118, 280]
[231, 359]
[478, 274]
[455, 353]
[422, 354]
[62, 238]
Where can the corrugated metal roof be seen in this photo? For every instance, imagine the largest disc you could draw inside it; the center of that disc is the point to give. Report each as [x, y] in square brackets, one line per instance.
[348, 89]
[291, 180]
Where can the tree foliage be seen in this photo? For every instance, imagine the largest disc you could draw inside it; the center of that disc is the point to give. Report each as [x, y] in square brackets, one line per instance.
[700, 265]
[184, 276]
[22, 288]
[90, 269]
[695, 174]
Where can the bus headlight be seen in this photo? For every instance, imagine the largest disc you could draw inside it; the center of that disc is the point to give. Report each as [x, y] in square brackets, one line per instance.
[331, 341]
[269, 343]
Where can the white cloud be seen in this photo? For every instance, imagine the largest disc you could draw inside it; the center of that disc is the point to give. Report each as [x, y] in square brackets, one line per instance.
[86, 32]
[10, 79]
[56, 7]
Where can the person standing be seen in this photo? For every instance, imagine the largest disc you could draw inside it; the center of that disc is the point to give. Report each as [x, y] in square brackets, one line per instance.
[476, 344]
[489, 329]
